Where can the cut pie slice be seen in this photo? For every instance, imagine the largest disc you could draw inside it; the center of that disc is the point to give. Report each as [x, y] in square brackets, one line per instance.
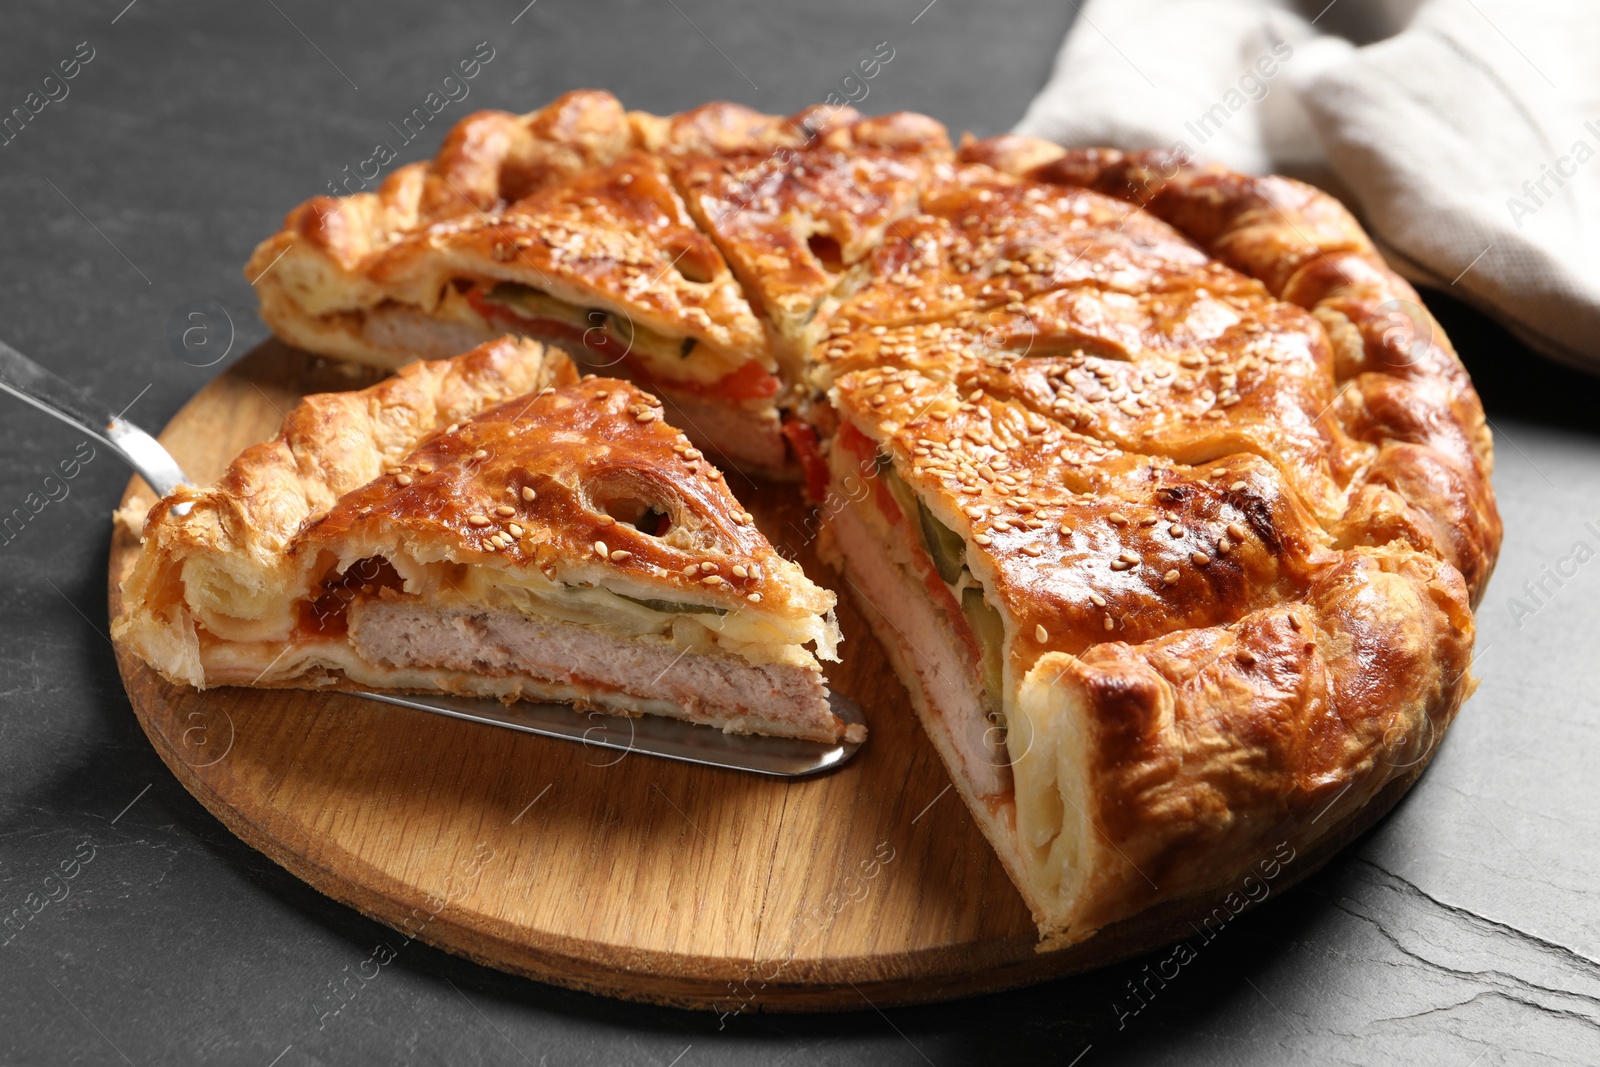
[567, 225]
[488, 525]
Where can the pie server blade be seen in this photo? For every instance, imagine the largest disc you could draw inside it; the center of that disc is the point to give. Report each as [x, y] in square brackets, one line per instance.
[648, 735]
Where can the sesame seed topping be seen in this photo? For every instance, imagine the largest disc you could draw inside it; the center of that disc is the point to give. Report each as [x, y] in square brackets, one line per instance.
[1237, 532]
[754, 598]
[1294, 622]
[1032, 550]
[528, 493]
[1097, 600]
[1129, 557]
[746, 518]
[739, 571]
[606, 520]
[1239, 487]
[601, 550]
[691, 570]
[1224, 546]
[647, 415]
[601, 394]
[1041, 634]
[711, 579]
[516, 531]
[425, 468]
[1108, 623]
[1175, 530]
[619, 554]
[505, 511]
[708, 568]
[402, 479]
[1117, 518]
[983, 539]
[1200, 558]
[1120, 565]
[477, 520]
[1170, 577]
[482, 453]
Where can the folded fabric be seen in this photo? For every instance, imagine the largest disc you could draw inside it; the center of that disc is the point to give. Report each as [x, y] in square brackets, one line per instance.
[1465, 133]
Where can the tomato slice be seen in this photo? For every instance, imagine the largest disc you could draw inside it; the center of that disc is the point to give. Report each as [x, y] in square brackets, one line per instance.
[802, 438]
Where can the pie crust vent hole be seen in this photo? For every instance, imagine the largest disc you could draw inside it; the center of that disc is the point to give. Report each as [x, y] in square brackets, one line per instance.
[827, 250]
[645, 516]
[691, 264]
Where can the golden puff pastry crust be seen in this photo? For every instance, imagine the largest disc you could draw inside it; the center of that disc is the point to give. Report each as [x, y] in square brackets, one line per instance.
[1168, 498]
[1191, 486]
[485, 525]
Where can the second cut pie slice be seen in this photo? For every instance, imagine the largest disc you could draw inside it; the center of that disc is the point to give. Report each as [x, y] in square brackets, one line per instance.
[488, 525]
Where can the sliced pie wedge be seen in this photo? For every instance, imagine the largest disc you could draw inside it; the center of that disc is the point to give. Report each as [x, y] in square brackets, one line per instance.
[488, 525]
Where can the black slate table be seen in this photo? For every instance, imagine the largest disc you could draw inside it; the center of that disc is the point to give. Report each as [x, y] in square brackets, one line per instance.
[1463, 931]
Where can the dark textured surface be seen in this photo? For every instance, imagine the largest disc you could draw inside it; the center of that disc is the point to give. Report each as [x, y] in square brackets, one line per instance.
[1464, 930]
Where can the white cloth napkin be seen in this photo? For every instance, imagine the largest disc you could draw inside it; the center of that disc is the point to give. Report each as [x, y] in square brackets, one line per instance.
[1464, 133]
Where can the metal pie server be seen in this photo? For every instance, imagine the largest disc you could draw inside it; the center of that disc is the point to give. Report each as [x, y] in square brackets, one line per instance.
[649, 735]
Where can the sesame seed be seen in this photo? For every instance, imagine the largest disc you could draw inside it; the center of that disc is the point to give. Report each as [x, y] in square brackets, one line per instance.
[1129, 557]
[1224, 546]
[601, 550]
[739, 571]
[478, 520]
[482, 453]
[528, 493]
[1239, 487]
[1041, 634]
[754, 598]
[618, 554]
[648, 415]
[1294, 622]
[402, 479]
[1120, 565]
[1117, 518]
[504, 511]
[1237, 532]
[1097, 600]
[1200, 558]
[1170, 577]
[1108, 623]
[746, 518]
[711, 579]
[708, 568]
[1175, 530]
[1032, 550]
[606, 520]
[691, 570]
[516, 531]
[601, 394]
[983, 539]
[425, 468]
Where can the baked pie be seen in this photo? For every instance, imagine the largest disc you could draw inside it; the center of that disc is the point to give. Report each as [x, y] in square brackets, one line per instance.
[489, 525]
[1168, 500]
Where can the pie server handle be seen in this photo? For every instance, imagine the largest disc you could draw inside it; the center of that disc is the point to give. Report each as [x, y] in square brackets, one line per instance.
[649, 735]
[54, 395]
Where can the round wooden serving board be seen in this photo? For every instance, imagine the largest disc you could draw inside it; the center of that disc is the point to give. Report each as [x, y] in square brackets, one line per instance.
[632, 877]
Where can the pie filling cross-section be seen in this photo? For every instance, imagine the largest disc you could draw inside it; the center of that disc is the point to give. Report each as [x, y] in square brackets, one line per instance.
[488, 525]
[1168, 500]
